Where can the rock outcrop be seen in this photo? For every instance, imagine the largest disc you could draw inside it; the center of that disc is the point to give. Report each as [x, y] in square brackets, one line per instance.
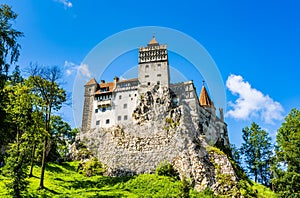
[162, 131]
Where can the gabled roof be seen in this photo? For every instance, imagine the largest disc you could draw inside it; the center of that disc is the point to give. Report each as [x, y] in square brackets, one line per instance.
[204, 98]
[91, 82]
[110, 86]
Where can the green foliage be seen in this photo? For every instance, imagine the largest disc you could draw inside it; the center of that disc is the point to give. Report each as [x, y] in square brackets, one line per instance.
[288, 140]
[164, 168]
[9, 53]
[257, 152]
[62, 137]
[286, 168]
[91, 167]
[16, 168]
[184, 188]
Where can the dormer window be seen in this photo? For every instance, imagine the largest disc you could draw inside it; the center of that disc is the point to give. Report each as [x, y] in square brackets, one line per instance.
[104, 89]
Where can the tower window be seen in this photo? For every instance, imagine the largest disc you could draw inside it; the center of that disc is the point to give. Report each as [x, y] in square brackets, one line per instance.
[125, 117]
[107, 121]
[119, 118]
[148, 83]
[158, 75]
[146, 76]
[98, 122]
[147, 68]
[125, 106]
[120, 97]
[158, 82]
[96, 110]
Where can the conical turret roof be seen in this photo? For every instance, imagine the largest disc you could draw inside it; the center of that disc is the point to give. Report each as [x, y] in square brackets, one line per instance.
[91, 82]
[204, 98]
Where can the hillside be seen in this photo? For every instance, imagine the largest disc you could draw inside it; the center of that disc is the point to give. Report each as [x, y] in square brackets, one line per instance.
[65, 181]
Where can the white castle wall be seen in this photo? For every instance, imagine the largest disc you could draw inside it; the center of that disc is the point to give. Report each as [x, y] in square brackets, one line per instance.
[124, 104]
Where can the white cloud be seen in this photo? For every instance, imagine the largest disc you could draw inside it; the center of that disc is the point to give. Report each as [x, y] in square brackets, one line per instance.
[82, 69]
[251, 103]
[66, 3]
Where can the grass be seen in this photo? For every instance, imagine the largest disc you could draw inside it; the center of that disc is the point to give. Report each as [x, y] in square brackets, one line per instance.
[262, 191]
[64, 181]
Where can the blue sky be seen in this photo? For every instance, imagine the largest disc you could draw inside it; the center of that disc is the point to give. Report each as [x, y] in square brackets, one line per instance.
[255, 45]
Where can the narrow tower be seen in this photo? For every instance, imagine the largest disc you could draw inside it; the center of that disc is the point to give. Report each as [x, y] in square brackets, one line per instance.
[89, 92]
[153, 66]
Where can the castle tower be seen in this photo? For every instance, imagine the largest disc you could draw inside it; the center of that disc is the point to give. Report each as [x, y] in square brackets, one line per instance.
[89, 92]
[153, 68]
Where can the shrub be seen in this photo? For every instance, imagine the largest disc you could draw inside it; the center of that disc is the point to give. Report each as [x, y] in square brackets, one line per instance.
[164, 168]
[91, 167]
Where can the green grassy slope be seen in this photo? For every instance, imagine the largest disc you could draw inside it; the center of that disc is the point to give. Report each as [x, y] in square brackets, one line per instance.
[64, 181]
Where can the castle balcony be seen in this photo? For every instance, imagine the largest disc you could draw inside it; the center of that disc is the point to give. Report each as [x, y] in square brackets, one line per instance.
[104, 103]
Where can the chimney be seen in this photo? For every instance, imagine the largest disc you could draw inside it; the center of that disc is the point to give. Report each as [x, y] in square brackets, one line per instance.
[116, 79]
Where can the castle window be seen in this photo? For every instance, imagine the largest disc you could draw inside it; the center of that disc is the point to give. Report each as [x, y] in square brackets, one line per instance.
[158, 75]
[158, 66]
[120, 97]
[119, 118]
[107, 121]
[148, 83]
[98, 122]
[125, 106]
[129, 95]
[147, 68]
[96, 110]
[135, 95]
[103, 109]
[158, 82]
[146, 76]
[125, 117]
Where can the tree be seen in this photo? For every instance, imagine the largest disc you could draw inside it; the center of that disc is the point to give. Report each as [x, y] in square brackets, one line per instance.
[9, 53]
[51, 97]
[9, 48]
[257, 150]
[18, 110]
[62, 137]
[287, 166]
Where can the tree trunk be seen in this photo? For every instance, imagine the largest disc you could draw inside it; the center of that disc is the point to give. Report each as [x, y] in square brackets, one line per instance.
[45, 147]
[32, 160]
[43, 163]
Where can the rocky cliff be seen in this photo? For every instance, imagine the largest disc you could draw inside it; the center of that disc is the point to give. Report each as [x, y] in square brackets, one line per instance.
[163, 130]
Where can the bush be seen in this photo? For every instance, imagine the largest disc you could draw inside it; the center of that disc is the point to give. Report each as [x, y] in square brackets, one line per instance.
[91, 167]
[166, 169]
[184, 188]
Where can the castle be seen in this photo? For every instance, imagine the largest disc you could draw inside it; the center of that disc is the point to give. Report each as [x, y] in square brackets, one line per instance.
[133, 125]
[108, 104]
